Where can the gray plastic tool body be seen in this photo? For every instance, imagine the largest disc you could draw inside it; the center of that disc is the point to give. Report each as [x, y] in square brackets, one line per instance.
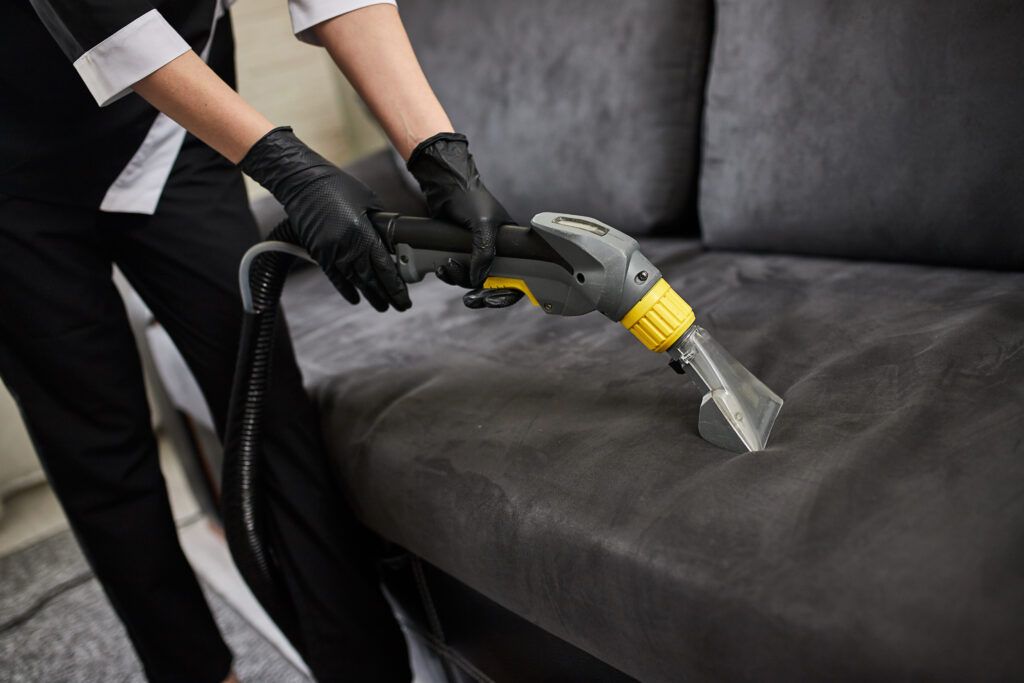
[601, 269]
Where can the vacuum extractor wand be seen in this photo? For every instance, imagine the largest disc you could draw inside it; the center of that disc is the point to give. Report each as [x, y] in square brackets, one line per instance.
[572, 265]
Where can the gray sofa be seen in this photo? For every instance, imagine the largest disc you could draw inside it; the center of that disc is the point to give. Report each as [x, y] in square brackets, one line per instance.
[838, 190]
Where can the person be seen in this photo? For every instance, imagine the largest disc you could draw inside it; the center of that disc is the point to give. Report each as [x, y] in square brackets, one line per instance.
[122, 143]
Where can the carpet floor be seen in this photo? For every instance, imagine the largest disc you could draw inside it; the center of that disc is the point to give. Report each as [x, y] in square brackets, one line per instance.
[57, 626]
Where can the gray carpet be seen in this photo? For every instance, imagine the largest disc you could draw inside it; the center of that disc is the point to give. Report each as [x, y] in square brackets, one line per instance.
[57, 626]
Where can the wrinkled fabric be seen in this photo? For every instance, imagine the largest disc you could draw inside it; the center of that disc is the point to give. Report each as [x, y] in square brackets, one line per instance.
[872, 129]
[879, 536]
[589, 106]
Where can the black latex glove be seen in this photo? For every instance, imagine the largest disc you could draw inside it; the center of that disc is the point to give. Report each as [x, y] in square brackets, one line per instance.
[329, 215]
[454, 192]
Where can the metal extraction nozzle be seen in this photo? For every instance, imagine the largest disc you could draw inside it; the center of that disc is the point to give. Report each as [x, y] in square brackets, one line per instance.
[738, 410]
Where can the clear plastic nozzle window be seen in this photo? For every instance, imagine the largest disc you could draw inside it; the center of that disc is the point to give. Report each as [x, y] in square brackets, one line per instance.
[738, 410]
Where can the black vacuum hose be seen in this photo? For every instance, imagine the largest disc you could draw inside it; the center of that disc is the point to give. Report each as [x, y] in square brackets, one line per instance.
[262, 276]
[241, 494]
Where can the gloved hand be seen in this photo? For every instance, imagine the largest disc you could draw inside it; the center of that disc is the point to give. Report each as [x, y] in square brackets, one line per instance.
[454, 192]
[329, 214]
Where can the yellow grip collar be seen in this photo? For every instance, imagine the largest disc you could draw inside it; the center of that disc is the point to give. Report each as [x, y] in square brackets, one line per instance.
[659, 318]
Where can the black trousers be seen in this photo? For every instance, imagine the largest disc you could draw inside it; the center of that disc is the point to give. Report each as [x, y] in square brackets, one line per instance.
[68, 356]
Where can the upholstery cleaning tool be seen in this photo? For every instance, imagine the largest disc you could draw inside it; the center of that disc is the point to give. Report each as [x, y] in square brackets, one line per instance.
[566, 265]
[572, 265]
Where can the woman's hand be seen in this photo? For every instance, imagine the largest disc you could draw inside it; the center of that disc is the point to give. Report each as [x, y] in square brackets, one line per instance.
[371, 48]
[329, 214]
[454, 192]
[328, 209]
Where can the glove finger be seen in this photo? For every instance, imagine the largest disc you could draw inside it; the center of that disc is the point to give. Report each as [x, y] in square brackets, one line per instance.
[453, 273]
[387, 274]
[344, 287]
[352, 279]
[444, 275]
[491, 298]
[366, 280]
[484, 237]
[374, 297]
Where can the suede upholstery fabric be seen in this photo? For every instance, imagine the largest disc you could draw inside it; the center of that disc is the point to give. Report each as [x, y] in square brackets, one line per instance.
[380, 173]
[554, 465]
[579, 106]
[875, 129]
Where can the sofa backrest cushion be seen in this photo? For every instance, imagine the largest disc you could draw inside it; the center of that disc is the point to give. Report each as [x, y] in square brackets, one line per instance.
[882, 129]
[582, 106]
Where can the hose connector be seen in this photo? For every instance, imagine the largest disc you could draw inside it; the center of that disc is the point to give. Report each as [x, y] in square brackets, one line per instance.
[659, 318]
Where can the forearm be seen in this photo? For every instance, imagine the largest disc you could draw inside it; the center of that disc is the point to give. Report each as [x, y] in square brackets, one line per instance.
[371, 48]
[188, 91]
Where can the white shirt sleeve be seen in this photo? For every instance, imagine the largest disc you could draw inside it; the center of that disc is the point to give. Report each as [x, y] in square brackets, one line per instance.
[136, 50]
[308, 13]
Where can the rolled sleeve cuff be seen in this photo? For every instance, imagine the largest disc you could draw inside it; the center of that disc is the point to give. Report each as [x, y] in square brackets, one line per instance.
[308, 13]
[135, 51]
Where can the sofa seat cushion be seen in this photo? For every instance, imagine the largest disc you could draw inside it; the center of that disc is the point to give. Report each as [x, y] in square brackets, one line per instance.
[554, 465]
